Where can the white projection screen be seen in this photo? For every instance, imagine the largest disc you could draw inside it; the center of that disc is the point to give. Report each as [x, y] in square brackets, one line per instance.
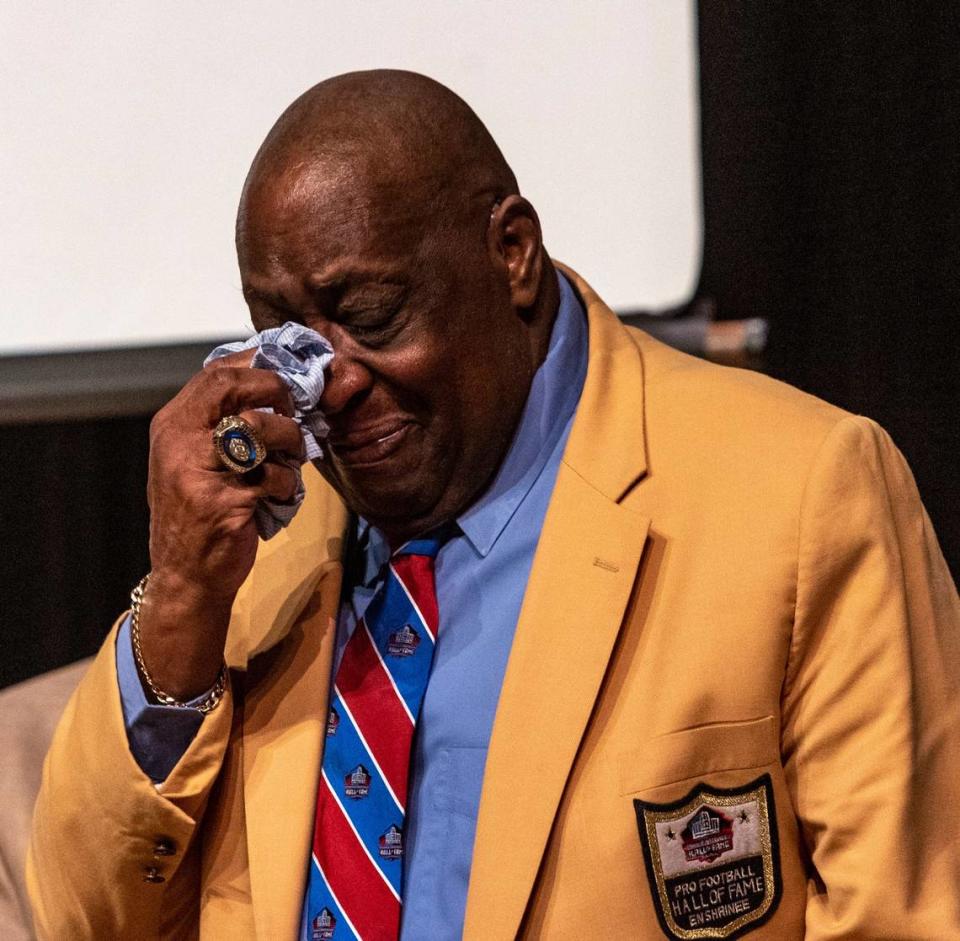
[128, 128]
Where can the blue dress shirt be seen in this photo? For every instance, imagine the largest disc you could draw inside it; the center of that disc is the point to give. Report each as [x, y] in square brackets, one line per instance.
[481, 577]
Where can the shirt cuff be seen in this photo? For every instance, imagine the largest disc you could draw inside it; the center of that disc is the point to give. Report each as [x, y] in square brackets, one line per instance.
[157, 735]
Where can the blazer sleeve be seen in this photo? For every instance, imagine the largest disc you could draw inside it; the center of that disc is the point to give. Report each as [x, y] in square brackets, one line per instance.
[112, 855]
[871, 700]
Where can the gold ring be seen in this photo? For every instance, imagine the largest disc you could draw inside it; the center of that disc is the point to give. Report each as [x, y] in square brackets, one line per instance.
[239, 445]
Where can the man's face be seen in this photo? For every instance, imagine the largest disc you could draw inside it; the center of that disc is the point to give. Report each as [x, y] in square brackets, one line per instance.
[432, 364]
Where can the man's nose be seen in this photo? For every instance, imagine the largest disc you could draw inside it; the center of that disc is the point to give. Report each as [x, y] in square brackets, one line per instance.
[346, 380]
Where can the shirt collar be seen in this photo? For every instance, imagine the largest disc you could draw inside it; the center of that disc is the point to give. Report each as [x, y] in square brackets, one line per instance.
[554, 394]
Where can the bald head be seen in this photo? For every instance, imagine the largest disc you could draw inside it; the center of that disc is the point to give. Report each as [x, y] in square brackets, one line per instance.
[380, 212]
[384, 130]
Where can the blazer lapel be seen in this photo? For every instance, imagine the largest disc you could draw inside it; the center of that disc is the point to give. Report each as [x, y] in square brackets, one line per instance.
[579, 587]
[283, 732]
[295, 598]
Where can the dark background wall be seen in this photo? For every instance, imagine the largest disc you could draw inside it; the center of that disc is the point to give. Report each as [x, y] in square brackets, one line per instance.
[74, 537]
[831, 173]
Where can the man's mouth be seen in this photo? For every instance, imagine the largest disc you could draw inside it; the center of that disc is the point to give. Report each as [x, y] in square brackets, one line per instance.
[371, 445]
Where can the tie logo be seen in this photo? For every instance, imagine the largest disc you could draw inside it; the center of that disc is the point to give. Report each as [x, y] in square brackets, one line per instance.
[403, 643]
[333, 720]
[391, 843]
[357, 783]
[323, 926]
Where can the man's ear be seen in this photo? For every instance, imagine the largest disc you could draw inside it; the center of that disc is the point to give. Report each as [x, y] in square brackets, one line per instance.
[515, 241]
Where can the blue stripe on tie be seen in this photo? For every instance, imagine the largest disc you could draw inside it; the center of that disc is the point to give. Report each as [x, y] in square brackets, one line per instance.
[319, 897]
[387, 614]
[347, 749]
[344, 751]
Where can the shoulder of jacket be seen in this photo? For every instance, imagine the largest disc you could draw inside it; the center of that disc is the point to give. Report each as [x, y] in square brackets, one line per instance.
[728, 397]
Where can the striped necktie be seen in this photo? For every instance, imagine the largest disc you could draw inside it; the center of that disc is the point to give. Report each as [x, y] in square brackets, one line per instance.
[356, 872]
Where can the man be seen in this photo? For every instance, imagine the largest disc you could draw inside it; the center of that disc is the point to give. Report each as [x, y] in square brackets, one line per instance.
[695, 638]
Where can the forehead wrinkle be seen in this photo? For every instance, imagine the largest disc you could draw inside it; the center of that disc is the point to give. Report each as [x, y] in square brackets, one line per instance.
[320, 246]
[339, 274]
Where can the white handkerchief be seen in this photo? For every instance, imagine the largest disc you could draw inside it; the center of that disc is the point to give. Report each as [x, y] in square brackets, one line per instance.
[299, 356]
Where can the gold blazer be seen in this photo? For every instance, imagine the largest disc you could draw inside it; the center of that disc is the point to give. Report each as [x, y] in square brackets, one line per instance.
[739, 636]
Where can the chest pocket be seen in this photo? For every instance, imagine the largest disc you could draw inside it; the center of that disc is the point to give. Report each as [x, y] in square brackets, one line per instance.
[700, 753]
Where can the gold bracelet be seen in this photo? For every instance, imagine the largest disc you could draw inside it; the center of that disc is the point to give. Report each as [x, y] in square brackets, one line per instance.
[209, 702]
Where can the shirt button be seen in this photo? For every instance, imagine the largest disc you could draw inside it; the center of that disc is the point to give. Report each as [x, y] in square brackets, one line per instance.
[164, 846]
[152, 874]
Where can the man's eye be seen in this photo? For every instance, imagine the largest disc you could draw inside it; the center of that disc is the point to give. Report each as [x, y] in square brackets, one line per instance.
[371, 334]
[377, 325]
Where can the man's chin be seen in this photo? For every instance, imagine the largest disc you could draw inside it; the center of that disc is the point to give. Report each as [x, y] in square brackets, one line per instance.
[387, 500]
[398, 527]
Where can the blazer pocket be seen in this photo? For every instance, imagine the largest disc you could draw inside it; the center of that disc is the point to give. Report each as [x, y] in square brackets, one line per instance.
[700, 751]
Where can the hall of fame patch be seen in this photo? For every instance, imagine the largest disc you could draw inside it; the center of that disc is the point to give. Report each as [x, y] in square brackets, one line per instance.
[713, 860]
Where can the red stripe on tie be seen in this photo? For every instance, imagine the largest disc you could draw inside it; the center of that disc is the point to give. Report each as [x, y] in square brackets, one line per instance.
[378, 712]
[356, 882]
[416, 573]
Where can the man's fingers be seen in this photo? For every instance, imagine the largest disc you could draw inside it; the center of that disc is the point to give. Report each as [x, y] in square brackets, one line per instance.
[229, 390]
[279, 435]
[279, 481]
[273, 480]
[278, 432]
[243, 358]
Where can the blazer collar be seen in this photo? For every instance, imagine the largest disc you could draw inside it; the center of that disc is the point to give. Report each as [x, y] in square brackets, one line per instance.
[607, 444]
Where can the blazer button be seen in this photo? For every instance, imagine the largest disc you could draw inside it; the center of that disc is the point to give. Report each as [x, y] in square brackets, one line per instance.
[164, 846]
[152, 874]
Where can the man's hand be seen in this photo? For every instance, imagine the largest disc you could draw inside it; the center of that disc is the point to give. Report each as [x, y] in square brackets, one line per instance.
[203, 537]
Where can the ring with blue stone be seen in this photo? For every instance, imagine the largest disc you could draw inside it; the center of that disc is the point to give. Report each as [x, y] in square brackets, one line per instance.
[239, 445]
